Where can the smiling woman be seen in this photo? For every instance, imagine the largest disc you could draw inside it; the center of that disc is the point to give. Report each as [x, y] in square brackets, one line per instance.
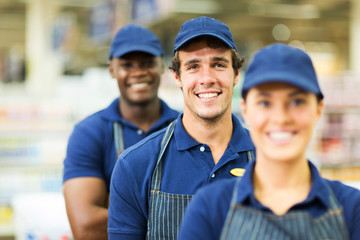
[281, 118]
[281, 195]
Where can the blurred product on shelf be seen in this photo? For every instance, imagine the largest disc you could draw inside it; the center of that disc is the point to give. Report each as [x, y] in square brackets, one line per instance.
[40, 216]
[337, 140]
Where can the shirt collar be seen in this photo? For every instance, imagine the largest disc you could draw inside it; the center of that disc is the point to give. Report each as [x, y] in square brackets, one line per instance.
[319, 189]
[183, 139]
[240, 140]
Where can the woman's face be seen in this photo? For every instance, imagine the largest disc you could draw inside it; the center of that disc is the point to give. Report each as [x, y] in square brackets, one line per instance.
[281, 118]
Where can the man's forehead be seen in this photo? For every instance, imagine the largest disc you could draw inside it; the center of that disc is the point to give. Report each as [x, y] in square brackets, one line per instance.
[205, 54]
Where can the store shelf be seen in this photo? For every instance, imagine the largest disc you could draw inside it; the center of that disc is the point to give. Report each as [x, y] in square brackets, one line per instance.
[336, 143]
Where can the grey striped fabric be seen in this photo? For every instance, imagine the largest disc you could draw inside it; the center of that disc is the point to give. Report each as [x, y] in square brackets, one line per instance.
[248, 223]
[119, 138]
[166, 210]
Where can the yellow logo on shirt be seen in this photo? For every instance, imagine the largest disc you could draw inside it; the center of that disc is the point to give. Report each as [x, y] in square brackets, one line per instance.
[237, 172]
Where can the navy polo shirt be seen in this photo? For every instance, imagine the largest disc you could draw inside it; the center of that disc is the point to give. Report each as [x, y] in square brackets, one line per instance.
[187, 166]
[206, 214]
[91, 148]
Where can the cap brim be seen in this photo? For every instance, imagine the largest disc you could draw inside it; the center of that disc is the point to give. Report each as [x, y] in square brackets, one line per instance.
[136, 48]
[299, 82]
[203, 34]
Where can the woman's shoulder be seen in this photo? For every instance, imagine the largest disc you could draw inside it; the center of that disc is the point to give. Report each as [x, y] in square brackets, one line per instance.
[348, 196]
[344, 190]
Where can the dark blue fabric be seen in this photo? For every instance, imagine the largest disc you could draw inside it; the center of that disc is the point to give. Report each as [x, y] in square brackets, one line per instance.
[282, 63]
[206, 213]
[91, 148]
[203, 26]
[185, 168]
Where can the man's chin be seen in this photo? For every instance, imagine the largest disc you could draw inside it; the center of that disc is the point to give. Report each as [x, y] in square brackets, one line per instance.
[211, 117]
[140, 102]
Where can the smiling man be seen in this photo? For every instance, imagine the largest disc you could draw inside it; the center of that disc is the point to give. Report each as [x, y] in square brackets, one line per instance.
[154, 180]
[136, 62]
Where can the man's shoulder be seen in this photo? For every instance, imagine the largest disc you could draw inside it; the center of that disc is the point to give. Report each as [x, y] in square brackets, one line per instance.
[145, 147]
[92, 117]
[140, 159]
[93, 123]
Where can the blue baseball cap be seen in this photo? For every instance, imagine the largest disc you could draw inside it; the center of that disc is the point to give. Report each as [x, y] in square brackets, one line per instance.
[202, 26]
[133, 38]
[282, 63]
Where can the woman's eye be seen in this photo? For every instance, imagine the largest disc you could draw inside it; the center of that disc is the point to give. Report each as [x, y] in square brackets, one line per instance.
[298, 102]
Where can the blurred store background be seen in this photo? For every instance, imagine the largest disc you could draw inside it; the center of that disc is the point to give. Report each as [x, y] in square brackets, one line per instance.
[53, 72]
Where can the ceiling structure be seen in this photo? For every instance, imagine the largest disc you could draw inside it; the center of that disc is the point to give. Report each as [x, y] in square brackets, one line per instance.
[254, 23]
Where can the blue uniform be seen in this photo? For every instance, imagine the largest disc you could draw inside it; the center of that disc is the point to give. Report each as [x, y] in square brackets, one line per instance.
[91, 148]
[205, 216]
[186, 166]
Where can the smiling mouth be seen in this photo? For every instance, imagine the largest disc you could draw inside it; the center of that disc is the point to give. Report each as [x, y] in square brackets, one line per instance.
[281, 136]
[207, 95]
[139, 85]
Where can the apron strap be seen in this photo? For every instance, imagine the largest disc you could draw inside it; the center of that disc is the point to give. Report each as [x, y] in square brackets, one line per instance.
[235, 191]
[156, 177]
[118, 137]
[334, 204]
[250, 155]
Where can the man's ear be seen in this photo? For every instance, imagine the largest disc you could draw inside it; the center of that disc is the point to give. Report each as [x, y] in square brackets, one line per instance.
[111, 69]
[243, 108]
[237, 78]
[177, 79]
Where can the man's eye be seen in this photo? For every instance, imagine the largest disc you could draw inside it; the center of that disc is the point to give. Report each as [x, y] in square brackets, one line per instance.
[148, 64]
[126, 65]
[219, 65]
[264, 103]
[192, 67]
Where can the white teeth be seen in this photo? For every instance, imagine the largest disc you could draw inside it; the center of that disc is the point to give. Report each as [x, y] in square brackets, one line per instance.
[207, 95]
[281, 135]
[138, 85]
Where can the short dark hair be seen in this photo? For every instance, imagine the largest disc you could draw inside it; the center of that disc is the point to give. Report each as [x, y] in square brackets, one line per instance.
[212, 42]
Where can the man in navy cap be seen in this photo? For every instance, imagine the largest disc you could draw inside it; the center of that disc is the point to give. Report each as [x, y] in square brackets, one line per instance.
[136, 62]
[154, 180]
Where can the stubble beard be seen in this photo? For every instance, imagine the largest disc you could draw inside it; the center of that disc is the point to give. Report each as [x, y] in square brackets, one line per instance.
[214, 119]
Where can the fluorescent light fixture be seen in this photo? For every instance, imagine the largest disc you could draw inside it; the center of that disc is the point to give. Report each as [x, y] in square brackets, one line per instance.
[197, 6]
[292, 11]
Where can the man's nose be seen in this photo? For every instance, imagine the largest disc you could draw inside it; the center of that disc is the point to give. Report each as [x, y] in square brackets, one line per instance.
[208, 77]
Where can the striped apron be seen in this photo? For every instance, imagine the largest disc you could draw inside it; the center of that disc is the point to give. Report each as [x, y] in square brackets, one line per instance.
[119, 138]
[248, 223]
[166, 210]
